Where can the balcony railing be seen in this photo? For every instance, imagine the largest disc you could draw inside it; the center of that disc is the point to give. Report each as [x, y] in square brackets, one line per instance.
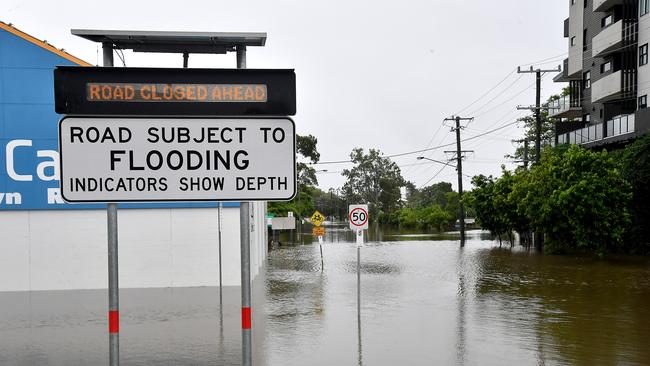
[615, 127]
[620, 125]
[582, 136]
[565, 107]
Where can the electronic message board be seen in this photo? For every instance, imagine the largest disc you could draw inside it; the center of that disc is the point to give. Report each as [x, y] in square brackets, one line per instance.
[148, 159]
[174, 92]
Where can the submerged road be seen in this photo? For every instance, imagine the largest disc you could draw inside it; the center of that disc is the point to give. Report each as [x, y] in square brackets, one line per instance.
[425, 301]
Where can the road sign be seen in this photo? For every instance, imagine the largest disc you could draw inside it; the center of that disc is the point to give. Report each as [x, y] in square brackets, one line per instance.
[318, 231]
[283, 223]
[358, 217]
[317, 218]
[180, 92]
[177, 159]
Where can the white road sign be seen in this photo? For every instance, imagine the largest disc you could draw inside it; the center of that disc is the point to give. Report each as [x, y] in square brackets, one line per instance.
[358, 215]
[177, 159]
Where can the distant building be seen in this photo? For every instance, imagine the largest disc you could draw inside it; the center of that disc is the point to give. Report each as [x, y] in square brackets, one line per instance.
[48, 244]
[607, 72]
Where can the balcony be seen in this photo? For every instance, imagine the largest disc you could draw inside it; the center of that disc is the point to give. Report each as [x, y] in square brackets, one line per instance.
[563, 76]
[608, 88]
[609, 39]
[565, 107]
[582, 136]
[602, 5]
[619, 126]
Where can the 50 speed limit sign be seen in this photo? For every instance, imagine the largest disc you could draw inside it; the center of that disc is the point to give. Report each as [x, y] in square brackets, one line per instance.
[358, 215]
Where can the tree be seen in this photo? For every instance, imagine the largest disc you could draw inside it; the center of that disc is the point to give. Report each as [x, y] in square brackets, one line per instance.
[306, 148]
[375, 180]
[578, 198]
[302, 205]
[487, 206]
[635, 165]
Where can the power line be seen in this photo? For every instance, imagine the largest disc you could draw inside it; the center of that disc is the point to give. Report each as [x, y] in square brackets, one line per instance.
[424, 150]
[488, 92]
[474, 112]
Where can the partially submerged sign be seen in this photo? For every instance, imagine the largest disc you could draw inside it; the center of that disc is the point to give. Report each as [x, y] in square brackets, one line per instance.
[317, 219]
[283, 223]
[172, 159]
[358, 215]
[159, 91]
[318, 231]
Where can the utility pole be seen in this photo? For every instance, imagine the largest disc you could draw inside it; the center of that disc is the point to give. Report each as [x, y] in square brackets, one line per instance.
[538, 107]
[538, 237]
[459, 169]
[525, 141]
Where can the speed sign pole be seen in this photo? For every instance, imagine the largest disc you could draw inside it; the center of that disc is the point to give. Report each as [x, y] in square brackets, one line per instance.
[358, 216]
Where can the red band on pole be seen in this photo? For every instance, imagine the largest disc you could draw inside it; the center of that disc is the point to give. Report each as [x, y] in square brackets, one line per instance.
[114, 321]
[246, 318]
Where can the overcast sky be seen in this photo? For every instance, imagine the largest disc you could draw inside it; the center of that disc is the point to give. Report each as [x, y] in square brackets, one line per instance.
[372, 74]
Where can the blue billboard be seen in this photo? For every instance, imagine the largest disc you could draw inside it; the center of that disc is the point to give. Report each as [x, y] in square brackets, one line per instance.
[29, 157]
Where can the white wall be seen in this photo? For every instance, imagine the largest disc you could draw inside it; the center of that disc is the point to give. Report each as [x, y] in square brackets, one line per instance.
[576, 20]
[58, 250]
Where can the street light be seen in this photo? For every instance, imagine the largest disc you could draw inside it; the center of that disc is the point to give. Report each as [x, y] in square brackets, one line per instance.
[435, 161]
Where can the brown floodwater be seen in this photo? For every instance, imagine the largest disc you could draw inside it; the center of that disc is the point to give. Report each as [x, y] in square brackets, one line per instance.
[424, 301]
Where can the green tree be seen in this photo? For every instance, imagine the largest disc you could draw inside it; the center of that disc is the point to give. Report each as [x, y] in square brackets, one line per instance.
[578, 198]
[487, 205]
[375, 180]
[302, 204]
[635, 164]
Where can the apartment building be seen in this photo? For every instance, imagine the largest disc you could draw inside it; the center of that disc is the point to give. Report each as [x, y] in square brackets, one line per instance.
[607, 72]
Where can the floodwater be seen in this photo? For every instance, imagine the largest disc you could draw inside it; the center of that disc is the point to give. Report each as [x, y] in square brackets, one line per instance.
[424, 301]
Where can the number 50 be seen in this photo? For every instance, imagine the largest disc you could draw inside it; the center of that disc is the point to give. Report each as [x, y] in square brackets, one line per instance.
[359, 216]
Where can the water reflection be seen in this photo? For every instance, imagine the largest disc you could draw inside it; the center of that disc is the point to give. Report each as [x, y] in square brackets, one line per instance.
[423, 297]
[424, 301]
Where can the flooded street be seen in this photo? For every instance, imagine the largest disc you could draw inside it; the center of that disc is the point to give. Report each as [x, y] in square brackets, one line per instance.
[424, 301]
[429, 302]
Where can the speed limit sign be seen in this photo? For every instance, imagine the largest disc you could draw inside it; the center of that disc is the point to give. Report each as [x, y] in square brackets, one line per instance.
[358, 215]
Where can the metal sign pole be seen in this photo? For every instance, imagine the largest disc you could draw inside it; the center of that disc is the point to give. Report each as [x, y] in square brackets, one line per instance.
[359, 244]
[113, 283]
[219, 213]
[244, 218]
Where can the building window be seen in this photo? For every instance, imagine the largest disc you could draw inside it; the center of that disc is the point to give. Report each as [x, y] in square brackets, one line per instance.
[586, 118]
[606, 21]
[584, 40]
[643, 55]
[644, 7]
[573, 41]
[643, 101]
[587, 79]
[607, 66]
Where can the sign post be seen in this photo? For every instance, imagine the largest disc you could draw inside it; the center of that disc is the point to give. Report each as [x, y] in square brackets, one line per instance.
[125, 158]
[358, 216]
[113, 263]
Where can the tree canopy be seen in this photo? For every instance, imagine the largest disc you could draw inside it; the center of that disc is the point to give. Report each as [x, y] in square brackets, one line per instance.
[375, 180]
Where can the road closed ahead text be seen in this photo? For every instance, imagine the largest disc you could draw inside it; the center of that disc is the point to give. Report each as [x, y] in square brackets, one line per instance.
[168, 159]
